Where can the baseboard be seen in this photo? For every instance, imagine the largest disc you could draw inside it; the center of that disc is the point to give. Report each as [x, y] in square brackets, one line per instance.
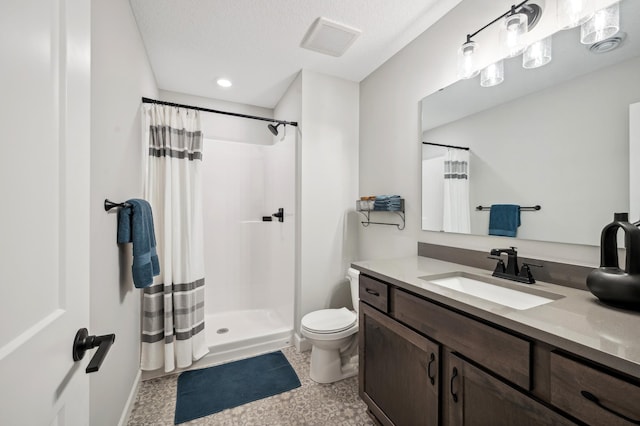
[301, 343]
[128, 408]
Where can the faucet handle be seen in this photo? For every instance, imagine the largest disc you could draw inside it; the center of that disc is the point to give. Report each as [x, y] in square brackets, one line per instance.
[525, 272]
[500, 266]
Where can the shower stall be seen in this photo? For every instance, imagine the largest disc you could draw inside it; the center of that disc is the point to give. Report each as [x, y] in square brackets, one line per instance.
[249, 260]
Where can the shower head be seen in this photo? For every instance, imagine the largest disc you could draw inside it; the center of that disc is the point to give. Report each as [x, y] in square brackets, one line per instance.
[274, 129]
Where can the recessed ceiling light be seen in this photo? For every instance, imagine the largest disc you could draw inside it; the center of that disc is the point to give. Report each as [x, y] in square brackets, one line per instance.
[223, 82]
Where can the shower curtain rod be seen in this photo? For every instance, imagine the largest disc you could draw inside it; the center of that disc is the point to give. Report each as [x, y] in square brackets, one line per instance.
[446, 146]
[235, 114]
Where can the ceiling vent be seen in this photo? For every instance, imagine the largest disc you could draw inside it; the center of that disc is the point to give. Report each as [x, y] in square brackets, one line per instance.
[329, 37]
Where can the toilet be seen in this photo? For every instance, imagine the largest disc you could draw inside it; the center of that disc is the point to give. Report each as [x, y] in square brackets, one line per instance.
[333, 336]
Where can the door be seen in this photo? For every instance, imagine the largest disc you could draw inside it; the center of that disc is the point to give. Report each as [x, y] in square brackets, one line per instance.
[401, 371]
[44, 211]
[473, 397]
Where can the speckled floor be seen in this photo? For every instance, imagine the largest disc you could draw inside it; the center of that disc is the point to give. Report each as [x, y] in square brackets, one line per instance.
[311, 404]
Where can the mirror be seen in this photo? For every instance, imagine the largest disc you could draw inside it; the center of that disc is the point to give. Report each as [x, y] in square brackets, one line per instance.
[555, 137]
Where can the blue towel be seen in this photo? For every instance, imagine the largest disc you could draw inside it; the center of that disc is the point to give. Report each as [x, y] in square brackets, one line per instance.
[387, 202]
[135, 225]
[504, 219]
[387, 197]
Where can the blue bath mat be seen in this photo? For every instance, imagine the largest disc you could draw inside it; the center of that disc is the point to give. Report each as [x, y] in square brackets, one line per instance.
[213, 389]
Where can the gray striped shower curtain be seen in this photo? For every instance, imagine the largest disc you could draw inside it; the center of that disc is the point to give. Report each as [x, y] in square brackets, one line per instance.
[173, 306]
[456, 209]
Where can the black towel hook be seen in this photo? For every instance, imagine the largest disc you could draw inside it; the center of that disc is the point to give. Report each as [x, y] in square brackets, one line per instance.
[108, 205]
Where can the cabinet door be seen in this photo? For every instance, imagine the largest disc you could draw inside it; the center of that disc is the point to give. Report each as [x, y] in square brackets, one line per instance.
[473, 397]
[399, 371]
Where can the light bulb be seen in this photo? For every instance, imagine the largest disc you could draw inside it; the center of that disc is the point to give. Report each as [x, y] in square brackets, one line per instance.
[466, 60]
[514, 27]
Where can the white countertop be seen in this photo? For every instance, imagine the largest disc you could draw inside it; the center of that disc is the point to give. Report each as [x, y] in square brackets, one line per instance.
[577, 322]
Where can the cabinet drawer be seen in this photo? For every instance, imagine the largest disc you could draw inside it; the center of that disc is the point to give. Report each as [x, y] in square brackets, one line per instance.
[591, 395]
[374, 292]
[507, 355]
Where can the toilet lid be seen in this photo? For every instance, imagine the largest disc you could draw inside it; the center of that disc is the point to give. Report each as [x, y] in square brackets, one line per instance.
[329, 320]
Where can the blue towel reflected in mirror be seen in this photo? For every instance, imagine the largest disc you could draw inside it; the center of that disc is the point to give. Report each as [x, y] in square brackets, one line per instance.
[504, 220]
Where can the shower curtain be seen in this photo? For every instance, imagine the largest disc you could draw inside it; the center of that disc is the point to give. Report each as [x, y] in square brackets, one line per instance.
[173, 306]
[457, 216]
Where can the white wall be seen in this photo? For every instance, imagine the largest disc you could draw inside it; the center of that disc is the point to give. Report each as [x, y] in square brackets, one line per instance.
[120, 76]
[329, 188]
[390, 134]
[433, 191]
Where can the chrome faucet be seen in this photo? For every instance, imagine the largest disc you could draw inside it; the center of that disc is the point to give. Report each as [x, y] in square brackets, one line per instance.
[511, 271]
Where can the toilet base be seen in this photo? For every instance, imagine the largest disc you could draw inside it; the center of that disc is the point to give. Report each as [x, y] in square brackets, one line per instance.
[331, 365]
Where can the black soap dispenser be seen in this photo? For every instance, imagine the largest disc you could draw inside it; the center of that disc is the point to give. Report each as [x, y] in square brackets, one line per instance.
[609, 283]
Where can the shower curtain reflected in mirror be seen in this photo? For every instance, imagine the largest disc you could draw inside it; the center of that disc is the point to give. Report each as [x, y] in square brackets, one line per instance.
[456, 212]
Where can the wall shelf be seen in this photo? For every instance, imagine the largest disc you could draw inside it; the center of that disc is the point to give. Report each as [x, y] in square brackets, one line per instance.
[366, 212]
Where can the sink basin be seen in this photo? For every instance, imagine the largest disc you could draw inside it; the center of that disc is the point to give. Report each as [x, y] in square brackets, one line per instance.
[507, 294]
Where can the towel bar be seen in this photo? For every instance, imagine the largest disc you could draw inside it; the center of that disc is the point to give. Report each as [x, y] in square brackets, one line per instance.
[532, 208]
[108, 205]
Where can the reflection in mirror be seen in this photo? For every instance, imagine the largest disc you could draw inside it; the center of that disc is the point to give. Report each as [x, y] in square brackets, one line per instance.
[555, 136]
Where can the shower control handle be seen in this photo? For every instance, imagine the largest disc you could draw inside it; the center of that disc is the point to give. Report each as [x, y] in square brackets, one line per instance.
[279, 214]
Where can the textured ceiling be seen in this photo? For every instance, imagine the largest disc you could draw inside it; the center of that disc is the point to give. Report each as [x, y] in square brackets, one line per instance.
[256, 43]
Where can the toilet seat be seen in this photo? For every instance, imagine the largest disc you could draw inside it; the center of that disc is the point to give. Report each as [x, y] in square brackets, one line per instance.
[329, 321]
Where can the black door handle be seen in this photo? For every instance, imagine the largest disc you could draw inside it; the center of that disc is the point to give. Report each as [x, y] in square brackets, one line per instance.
[83, 342]
[279, 214]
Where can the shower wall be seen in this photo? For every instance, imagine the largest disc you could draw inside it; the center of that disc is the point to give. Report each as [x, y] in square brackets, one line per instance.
[249, 264]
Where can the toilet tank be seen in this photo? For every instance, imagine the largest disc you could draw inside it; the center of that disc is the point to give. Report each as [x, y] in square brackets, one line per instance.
[353, 275]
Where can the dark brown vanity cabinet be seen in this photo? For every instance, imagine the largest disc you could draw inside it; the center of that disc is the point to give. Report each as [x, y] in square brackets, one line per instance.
[401, 380]
[473, 397]
[591, 395]
[422, 363]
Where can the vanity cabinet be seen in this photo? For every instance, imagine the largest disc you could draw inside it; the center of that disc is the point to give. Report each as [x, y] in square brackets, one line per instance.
[592, 395]
[401, 380]
[425, 363]
[474, 397]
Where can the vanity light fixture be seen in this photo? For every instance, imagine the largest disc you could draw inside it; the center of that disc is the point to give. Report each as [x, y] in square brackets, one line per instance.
[518, 20]
[602, 25]
[492, 75]
[537, 54]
